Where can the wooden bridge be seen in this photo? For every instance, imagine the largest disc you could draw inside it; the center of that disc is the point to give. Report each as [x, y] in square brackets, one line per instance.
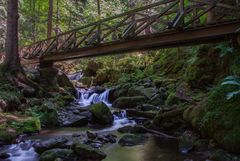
[167, 23]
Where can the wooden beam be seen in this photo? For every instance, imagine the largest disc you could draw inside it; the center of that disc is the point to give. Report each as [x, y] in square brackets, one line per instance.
[200, 35]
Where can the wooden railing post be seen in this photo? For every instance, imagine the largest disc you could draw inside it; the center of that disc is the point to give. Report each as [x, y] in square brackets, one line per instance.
[181, 9]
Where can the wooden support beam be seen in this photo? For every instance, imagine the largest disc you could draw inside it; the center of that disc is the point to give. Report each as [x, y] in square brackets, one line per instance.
[200, 35]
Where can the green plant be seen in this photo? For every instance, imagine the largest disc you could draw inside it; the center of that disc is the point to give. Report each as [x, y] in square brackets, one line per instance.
[224, 49]
[233, 81]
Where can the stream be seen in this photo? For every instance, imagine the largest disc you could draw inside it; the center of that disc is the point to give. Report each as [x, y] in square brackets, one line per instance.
[155, 149]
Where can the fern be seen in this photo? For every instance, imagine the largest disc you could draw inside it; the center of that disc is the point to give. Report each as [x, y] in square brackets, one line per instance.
[234, 81]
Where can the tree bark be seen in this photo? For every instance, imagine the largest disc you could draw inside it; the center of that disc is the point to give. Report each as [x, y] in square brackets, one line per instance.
[50, 16]
[12, 60]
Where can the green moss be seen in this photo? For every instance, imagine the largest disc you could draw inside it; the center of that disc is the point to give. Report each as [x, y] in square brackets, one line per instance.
[101, 114]
[30, 125]
[222, 121]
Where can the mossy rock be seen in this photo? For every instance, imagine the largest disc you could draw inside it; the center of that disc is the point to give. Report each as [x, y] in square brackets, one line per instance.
[173, 99]
[49, 115]
[101, 114]
[221, 120]
[53, 154]
[129, 102]
[141, 91]
[133, 140]
[87, 152]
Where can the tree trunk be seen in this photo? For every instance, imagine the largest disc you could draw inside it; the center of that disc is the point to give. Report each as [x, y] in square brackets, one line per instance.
[50, 16]
[12, 60]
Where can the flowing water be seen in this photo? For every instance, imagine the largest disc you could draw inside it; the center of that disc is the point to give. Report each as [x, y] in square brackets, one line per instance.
[154, 150]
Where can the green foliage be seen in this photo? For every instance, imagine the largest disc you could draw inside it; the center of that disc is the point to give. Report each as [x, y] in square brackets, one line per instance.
[232, 81]
[27, 126]
[224, 50]
[221, 118]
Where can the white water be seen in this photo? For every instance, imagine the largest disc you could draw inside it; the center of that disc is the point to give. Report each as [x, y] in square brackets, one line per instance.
[22, 151]
[85, 98]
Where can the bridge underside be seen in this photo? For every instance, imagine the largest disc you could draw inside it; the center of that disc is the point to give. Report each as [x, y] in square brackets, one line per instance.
[200, 35]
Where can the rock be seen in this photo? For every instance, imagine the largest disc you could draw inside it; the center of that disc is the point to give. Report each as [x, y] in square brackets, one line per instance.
[91, 135]
[137, 113]
[187, 142]
[119, 91]
[69, 118]
[221, 155]
[158, 99]
[101, 114]
[63, 81]
[173, 99]
[49, 116]
[141, 91]
[45, 145]
[4, 156]
[87, 152]
[111, 138]
[132, 129]
[148, 107]
[29, 92]
[48, 77]
[132, 140]
[75, 121]
[56, 154]
[129, 102]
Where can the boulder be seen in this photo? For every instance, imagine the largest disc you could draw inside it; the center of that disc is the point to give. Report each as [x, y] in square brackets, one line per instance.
[158, 99]
[42, 146]
[75, 121]
[87, 152]
[63, 81]
[4, 156]
[141, 91]
[49, 115]
[71, 118]
[132, 140]
[129, 102]
[54, 154]
[29, 92]
[101, 114]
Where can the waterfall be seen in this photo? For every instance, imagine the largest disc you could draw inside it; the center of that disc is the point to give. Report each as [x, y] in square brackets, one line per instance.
[86, 98]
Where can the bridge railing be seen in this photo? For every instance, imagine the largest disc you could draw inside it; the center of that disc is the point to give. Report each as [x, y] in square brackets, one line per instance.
[166, 15]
